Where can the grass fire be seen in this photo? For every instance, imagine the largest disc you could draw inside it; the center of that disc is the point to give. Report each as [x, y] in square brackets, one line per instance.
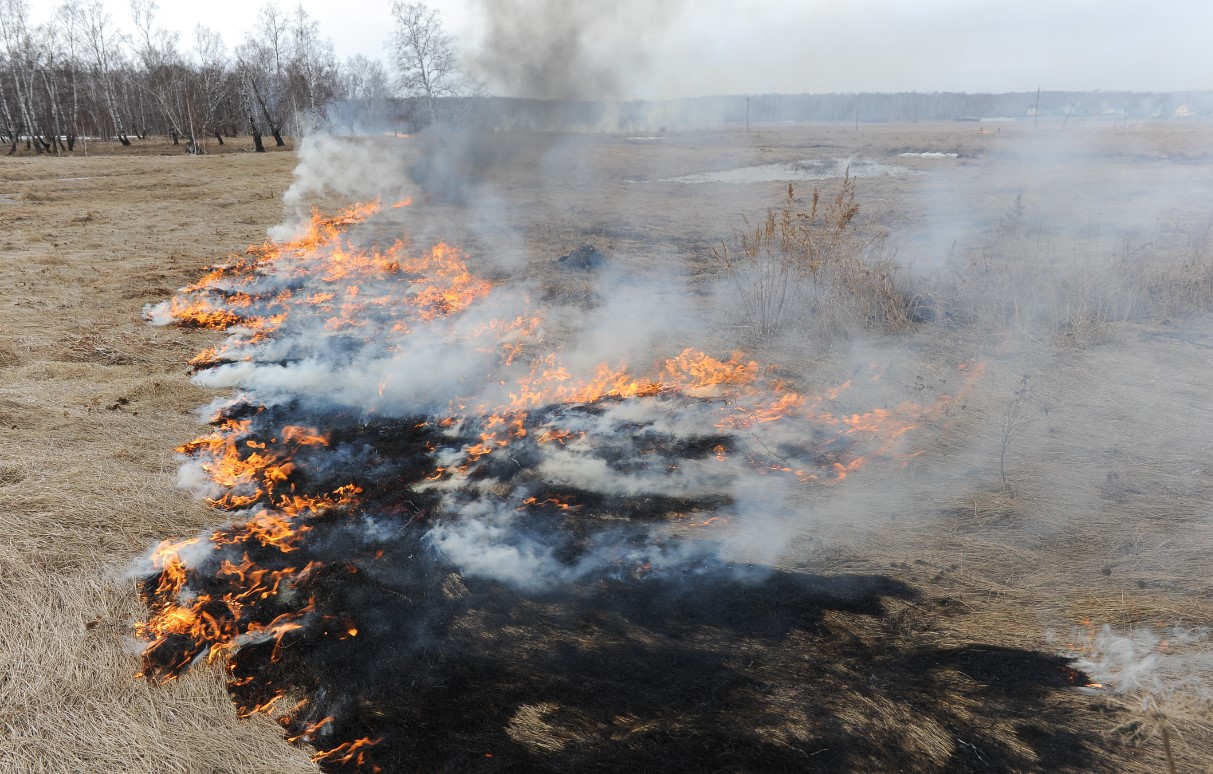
[597, 494]
[599, 451]
[599, 387]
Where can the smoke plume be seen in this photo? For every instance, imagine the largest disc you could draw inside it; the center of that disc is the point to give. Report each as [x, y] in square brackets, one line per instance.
[555, 50]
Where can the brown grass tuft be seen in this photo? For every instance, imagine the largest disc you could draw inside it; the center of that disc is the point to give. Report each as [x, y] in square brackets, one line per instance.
[815, 266]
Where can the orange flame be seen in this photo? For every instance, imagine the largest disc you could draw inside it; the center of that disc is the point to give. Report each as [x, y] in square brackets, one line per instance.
[382, 296]
[350, 752]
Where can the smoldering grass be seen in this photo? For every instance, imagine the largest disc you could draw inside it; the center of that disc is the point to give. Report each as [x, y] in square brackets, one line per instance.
[1157, 682]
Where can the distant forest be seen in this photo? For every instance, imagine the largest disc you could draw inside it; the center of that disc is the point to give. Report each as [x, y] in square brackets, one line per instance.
[707, 112]
[82, 77]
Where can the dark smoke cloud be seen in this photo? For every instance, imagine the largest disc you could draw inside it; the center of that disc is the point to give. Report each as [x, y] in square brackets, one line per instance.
[549, 49]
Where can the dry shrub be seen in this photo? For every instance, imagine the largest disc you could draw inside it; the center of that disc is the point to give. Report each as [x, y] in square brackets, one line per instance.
[33, 196]
[817, 266]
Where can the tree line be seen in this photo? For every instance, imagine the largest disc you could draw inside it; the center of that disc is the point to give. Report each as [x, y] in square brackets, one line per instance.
[80, 76]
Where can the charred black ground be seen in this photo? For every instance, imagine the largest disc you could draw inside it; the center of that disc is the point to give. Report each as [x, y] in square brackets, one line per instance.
[614, 635]
[713, 667]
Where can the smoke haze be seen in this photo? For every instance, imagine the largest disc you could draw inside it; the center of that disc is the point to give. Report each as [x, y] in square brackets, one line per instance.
[557, 50]
[963, 390]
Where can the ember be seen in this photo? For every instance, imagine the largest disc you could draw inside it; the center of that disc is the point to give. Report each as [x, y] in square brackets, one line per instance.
[368, 522]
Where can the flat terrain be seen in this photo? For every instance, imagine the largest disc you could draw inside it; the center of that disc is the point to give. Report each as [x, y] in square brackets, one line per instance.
[1064, 508]
[93, 402]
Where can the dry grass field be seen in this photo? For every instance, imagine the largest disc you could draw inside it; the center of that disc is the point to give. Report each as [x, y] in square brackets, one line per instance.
[1064, 508]
[94, 400]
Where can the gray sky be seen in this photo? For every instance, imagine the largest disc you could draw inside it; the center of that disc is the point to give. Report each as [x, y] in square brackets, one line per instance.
[728, 47]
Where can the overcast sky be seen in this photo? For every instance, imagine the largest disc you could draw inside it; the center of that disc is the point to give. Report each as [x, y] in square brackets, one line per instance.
[700, 47]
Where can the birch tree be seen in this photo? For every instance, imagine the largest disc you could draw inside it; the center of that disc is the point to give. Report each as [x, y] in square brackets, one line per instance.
[103, 46]
[425, 56]
[312, 69]
[263, 60]
[18, 52]
[214, 80]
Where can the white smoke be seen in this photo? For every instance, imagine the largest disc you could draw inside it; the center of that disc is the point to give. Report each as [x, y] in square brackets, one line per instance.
[492, 541]
[344, 168]
[682, 458]
[1163, 664]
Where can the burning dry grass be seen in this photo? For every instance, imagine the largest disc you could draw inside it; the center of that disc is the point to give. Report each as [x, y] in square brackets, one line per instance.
[939, 666]
[343, 501]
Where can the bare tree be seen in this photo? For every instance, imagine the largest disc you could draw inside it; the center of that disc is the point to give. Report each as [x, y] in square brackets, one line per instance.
[72, 37]
[18, 50]
[248, 93]
[165, 78]
[312, 70]
[263, 61]
[48, 51]
[214, 80]
[103, 46]
[8, 127]
[425, 56]
[366, 93]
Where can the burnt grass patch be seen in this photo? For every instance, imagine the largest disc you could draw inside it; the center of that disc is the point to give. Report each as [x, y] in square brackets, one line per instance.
[384, 657]
[727, 668]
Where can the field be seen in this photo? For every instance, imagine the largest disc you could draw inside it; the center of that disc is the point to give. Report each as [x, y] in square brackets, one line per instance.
[1060, 507]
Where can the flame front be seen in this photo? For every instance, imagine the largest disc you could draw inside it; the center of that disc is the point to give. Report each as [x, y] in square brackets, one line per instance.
[291, 479]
